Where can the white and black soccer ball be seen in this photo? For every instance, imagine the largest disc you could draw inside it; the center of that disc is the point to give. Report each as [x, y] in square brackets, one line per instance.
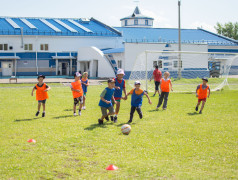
[126, 129]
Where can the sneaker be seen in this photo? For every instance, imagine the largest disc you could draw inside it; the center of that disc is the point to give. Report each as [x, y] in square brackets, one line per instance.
[112, 118]
[153, 95]
[43, 114]
[107, 118]
[100, 121]
[75, 114]
[200, 112]
[141, 116]
[196, 109]
[115, 119]
[79, 112]
[83, 107]
[130, 121]
[37, 113]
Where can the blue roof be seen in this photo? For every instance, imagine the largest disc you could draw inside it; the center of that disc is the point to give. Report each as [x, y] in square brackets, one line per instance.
[170, 35]
[116, 50]
[66, 27]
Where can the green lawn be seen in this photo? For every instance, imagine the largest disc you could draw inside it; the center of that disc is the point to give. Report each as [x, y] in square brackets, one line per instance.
[173, 144]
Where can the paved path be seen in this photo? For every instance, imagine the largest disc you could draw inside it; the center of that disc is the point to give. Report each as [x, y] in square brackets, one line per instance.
[49, 80]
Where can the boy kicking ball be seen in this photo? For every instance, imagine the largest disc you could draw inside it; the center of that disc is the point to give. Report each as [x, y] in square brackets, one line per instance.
[106, 100]
[41, 93]
[136, 100]
[202, 92]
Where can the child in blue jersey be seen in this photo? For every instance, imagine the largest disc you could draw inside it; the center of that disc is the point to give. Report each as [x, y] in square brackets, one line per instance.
[85, 84]
[136, 100]
[106, 100]
[120, 85]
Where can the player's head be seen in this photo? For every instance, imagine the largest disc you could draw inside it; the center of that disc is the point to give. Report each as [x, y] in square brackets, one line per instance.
[156, 67]
[137, 84]
[85, 74]
[40, 78]
[111, 83]
[77, 76]
[166, 74]
[204, 80]
[120, 74]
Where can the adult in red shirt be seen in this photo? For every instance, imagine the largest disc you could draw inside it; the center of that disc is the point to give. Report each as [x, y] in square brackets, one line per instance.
[157, 75]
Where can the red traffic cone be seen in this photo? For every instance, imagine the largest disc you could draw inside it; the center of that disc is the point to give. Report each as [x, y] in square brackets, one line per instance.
[31, 140]
[111, 167]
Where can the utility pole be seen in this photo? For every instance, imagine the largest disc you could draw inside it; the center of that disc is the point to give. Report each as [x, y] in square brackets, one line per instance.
[179, 41]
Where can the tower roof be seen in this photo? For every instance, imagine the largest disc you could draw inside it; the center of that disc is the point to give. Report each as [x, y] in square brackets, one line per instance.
[137, 15]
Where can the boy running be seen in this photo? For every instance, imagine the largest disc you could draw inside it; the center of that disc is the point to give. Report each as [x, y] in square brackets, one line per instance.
[85, 84]
[120, 85]
[77, 92]
[41, 93]
[136, 100]
[202, 92]
[165, 87]
[106, 100]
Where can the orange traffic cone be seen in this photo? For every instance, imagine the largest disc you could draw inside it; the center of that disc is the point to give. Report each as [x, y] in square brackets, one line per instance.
[111, 167]
[31, 140]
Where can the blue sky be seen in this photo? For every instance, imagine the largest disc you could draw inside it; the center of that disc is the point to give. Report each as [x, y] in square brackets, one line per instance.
[194, 13]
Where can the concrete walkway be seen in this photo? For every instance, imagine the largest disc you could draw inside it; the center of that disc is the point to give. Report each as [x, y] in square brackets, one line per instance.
[48, 80]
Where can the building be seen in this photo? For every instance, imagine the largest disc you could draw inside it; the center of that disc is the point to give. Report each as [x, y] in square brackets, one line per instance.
[59, 47]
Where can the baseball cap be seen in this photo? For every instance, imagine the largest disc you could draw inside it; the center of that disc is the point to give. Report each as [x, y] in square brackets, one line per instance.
[120, 71]
[137, 82]
[205, 79]
[110, 81]
[41, 76]
[77, 74]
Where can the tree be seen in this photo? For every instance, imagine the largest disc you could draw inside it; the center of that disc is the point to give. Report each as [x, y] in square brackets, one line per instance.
[228, 29]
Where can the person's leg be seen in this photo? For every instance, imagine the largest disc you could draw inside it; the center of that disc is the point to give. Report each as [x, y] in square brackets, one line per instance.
[39, 105]
[197, 105]
[43, 105]
[203, 104]
[104, 114]
[138, 109]
[84, 99]
[80, 104]
[160, 99]
[156, 87]
[166, 95]
[132, 113]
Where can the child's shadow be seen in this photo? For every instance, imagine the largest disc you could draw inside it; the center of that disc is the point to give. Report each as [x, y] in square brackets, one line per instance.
[65, 116]
[153, 110]
[19, 120]
[192, 114]
[68, 110]
[93, 126]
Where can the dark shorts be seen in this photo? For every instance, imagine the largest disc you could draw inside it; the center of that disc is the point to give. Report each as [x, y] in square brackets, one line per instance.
[42, 101]
[104, 110]
[157, 85]
[78, 100]
[204, 100]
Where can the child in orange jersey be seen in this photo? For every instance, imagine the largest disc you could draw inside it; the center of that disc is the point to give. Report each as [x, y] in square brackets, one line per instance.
[85, 84]
[165, 87]
[41, 94]
[202, 92]
[77, 92]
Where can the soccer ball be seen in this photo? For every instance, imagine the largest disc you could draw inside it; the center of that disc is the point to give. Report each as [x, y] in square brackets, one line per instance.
[126, 129]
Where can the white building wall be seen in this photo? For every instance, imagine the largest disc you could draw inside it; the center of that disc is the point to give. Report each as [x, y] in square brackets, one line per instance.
[60, 43]
[132, 50]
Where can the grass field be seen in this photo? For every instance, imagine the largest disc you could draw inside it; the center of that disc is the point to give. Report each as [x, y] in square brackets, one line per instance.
[173, 144]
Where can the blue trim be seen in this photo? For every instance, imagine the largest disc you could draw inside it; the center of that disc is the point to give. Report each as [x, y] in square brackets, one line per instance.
[224, 50]
[194, 69]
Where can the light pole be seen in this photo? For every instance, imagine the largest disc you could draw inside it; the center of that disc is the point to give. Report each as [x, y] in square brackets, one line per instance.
[179, 41]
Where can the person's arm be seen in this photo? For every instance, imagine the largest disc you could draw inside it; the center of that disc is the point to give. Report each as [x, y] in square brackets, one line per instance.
[148, 97]
[124, 90]
[113, 100]
[152, 77]
[47, 88]
[209, 91]
[32, 92]
[76, 90]
[197, 91]
[171, 86]
[103, 95]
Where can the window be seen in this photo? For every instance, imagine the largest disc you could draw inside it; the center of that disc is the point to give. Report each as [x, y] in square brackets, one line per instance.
[28, 47]
[160, 64]
[175, 64]
[125, 22]
[146, 22]
[119, 64]
[136, 22]
[44, 47]
[5, 47]
[1, 47]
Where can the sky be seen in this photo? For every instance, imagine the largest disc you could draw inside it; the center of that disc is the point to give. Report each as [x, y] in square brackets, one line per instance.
[194, 13]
